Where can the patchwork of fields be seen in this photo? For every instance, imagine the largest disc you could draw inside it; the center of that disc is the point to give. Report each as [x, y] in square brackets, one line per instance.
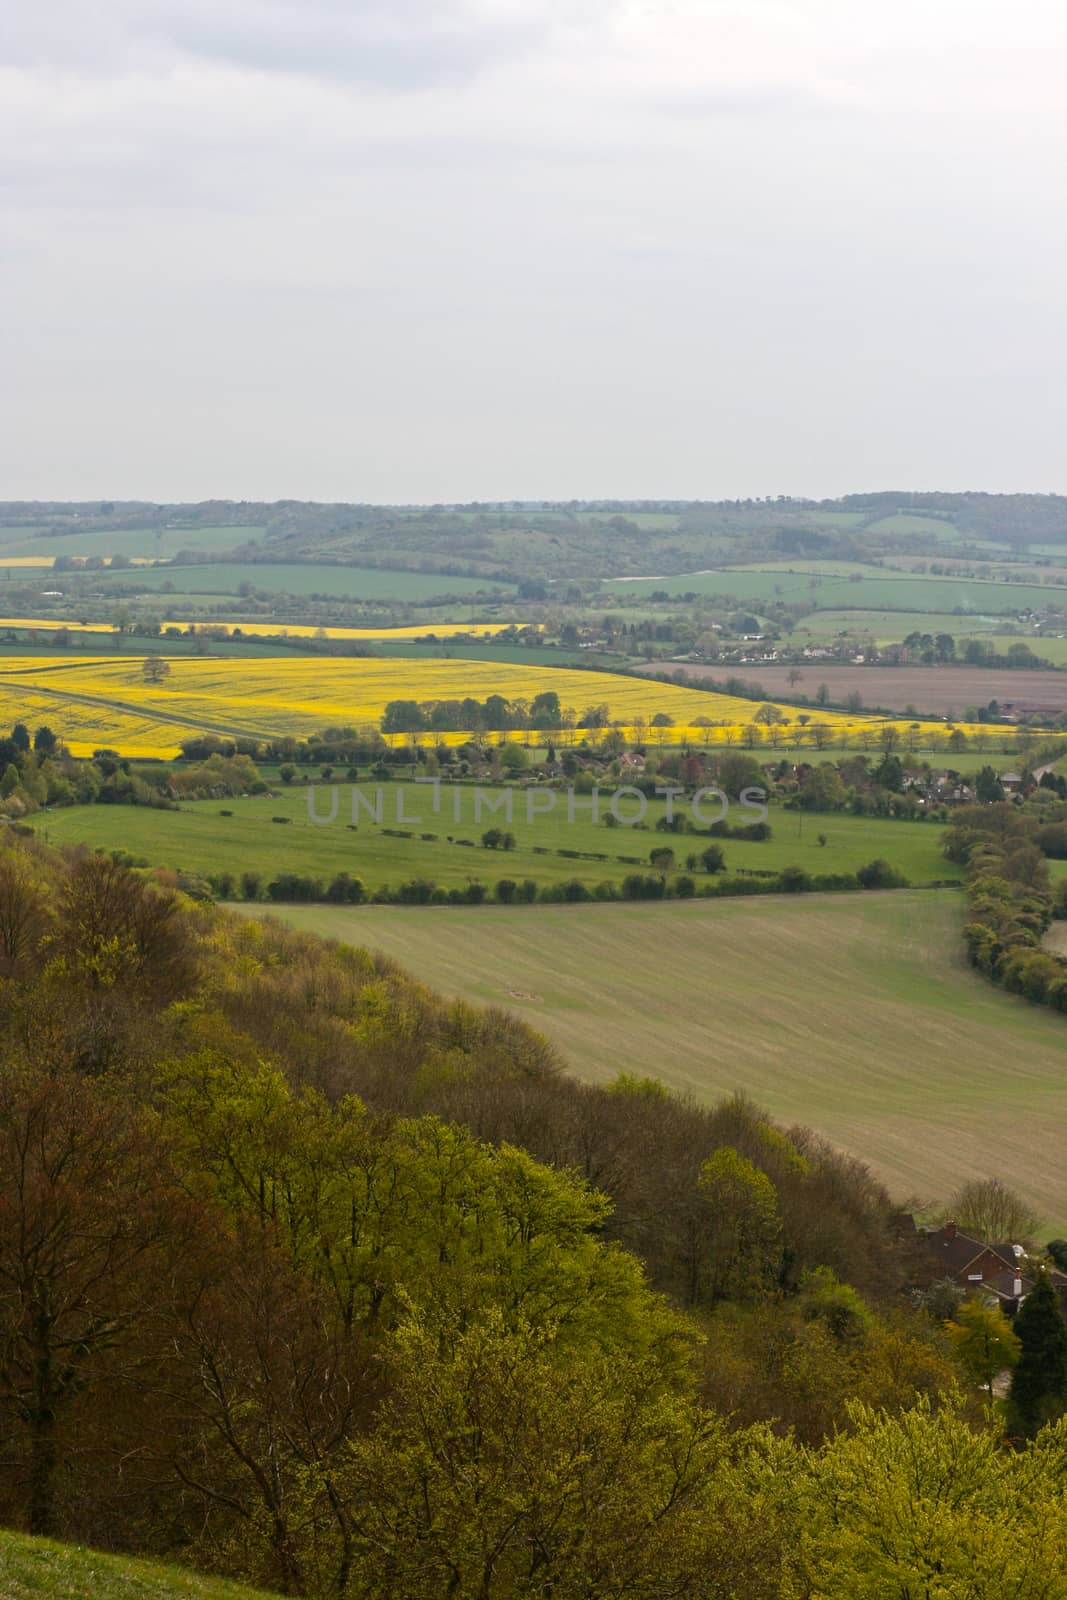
[856, 1014]
[865, 588]
[94, 701]
[266, 698]
[104, 700]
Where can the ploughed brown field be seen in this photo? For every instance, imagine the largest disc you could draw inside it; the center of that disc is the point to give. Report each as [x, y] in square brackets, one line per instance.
[933, 691]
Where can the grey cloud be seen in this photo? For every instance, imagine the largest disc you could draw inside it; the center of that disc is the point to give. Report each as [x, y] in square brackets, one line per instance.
[477, 248]
[394, 43]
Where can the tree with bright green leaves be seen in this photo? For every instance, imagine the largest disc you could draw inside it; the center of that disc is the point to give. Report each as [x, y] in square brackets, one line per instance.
[822, 1297]
[10, 781]
[385, 1222]
[984, 1341]
[512, 1466]
[1039, 1382]
[737, 1245]
[921, 1505]
[419, 1212]
[823, 790]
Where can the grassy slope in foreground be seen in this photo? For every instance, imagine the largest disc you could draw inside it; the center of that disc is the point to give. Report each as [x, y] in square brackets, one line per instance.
[38, 1569]
[855, 1014]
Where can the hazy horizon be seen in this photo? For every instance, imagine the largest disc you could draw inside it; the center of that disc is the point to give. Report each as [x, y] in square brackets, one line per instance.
[467, 501]
[403, 253]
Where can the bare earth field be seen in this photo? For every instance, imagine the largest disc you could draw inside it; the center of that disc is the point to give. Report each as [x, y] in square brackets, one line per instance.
[855, 1014]
[933, 691]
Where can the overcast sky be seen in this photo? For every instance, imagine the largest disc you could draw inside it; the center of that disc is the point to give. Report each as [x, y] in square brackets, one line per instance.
[419, 250]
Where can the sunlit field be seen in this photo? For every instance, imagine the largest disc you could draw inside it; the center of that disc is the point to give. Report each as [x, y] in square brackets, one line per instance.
[90, 702]
[268, 628]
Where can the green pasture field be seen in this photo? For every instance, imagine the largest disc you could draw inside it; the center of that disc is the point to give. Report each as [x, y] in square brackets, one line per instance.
[998, 750]
[1049, 648]
[40, 1569]
[915, 522]
[890, 627]
[1000, 754]
[886, 592]
[103, 644]
[199, 839]
[364, 583]
[842, 519]
[753, 584]
[123, 542]
[538, 656]
[854, 1014]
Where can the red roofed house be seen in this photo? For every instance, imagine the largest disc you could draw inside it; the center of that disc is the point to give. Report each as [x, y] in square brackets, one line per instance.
[995, 1269]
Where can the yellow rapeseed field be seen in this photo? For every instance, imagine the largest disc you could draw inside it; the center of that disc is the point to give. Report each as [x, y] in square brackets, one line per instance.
[288, 630]
[59, 695]
[51, 625]
[283, 630]
[93, 702]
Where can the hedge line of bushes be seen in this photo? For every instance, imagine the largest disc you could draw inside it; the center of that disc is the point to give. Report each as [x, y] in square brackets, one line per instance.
[1011, 902]
[292, 887]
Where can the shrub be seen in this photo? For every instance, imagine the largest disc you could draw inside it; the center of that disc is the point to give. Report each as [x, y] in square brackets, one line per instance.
[643, 886]
[879, 874]
[295, 886]
[416, 892]
[347, 891]
[712, 859]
